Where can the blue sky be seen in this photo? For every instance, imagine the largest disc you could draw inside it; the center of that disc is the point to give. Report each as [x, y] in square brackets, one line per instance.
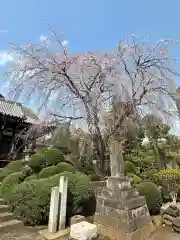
[87, 24]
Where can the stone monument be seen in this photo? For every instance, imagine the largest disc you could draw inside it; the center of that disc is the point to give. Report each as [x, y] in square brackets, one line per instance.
[58, 205]
[120, 212]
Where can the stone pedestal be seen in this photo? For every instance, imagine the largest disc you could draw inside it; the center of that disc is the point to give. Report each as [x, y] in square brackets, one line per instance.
[120, 212]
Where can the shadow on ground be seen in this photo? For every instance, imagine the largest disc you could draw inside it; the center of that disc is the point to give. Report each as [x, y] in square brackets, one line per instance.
[164, 233]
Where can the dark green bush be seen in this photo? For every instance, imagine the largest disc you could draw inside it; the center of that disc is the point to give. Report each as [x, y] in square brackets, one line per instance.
[32, 177]
[64, 167]
[27, 170]
[152, 194]
[48, 172]
[9, 182]
[37, 162]
[44, 158]
[54, 156]
[15, 166]
[30, 200]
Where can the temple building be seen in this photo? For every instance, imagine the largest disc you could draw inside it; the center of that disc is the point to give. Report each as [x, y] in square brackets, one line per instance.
[14, 118]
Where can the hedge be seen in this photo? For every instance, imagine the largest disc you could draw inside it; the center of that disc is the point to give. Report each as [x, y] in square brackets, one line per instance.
[37, 162]
[32, 177]
[64, 167]
[48, 172]
[45, 158]
[30, 200]
[170, 181]
[15, 166]
[152, 194]
[52, 156]
[9, 182]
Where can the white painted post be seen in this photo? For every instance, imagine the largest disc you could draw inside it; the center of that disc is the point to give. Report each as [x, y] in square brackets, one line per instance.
[53, 213]
[63, 185]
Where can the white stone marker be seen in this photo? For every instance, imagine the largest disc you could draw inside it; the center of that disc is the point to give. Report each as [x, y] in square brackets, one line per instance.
[53, 213]
[63, 185]
[83, 231]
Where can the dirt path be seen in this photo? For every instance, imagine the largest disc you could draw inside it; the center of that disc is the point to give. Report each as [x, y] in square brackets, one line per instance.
[165, 233]
[24, 234]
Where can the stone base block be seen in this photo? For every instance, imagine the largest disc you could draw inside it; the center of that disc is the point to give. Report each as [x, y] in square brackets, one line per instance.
[121, 213]
[116, 233]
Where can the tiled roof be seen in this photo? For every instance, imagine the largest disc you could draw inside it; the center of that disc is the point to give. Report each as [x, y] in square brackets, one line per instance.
[31, 117]
[10, 108]
[14, 109]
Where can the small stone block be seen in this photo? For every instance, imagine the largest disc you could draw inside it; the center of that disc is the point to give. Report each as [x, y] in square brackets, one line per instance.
[83, 231]
[60, 235]
[76, 219]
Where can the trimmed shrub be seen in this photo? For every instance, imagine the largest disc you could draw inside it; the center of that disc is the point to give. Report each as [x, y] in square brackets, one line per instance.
[32, 177]
[26, 170]
[152, 194]
[48, 172]
[37, 162]
[30, 200]
[53, 156]
[4, 173]
[151, 176]
[44, 158]
[15, 166]
[9, 182]
[170, 180]
[64, 167]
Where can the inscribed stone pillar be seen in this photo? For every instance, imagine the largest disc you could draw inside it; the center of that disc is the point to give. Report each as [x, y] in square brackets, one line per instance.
[53, 213]
[63, 185]
[120, 212]
[116, 159]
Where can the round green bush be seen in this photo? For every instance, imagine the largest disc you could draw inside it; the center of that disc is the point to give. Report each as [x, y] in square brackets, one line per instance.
[53, 156]
[30, 200]
[15, 166]
[9, 182]
[152, 194]
[32, 177]
[37, 162]
[64, 167]
[44, 158]
[48, 172]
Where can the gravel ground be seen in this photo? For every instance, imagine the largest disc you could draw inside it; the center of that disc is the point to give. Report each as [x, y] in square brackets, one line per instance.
[24, 234]
[164, 233]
